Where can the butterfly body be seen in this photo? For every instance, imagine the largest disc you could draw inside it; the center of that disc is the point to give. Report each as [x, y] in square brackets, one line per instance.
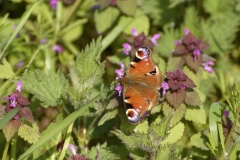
[141, 85]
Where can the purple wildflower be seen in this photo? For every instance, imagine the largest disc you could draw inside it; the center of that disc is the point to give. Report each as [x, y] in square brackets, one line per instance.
[57, 48]
[119, 89]
[154, 39]
[182, 87]
[127, 48]
[72, 149]
[186, 31]
[195, 54]
[134, 32]
[226, 113]
[43, 41]
[120, 72]
[20, 64]
[16, 116]
[165, 87]
[53, 4]
[13, 103]
[207, 66]
[19, 86]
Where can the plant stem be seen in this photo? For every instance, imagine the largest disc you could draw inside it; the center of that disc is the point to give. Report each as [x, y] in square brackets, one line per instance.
[14, 147]
[5, 151]
[71, 12]
[231, 131]
[31, 60]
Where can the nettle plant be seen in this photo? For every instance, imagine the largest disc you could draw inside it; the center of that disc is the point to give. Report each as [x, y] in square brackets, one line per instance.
[91, 122]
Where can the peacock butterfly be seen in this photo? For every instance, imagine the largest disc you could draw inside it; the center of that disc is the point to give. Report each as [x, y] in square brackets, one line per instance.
[141, 84]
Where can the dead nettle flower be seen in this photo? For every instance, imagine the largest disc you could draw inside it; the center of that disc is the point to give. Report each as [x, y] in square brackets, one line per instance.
[53, 4]
[137, 40]
[17, 100]
[177, 87]
[120, 74]
[57, 48]
[190, 50]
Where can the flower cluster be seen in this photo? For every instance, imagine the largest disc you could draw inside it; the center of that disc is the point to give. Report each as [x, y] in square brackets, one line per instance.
[138, 40]
[120, 74]
[190, 49]
[178, 88]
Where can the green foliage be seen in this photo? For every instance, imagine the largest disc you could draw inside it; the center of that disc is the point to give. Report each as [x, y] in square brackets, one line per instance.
[149, 145]
[6, 70]
[189, 123]
[85, 73]
[47, 88]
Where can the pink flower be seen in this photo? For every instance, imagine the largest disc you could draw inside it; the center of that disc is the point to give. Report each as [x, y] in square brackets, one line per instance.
[207, 66]
[72, 149]
[57, 48]
[186, 31]
[19, 86]
[165, 87]
[134, 32]
[127, 48]
[53, 4]
[154, 39]
[119, 89]
[195, 54]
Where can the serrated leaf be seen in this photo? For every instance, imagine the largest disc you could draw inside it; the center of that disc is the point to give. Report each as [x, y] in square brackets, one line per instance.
[194, 65]
[26, 113]
[174, 134]
[47, 88]
[178, 114]
[127, 6]
[193, 111]
[162, 127]
[29, 134]
[113, 103]
[142, 127]
[192, 98]
[107, 116]
[175, 98]
[101, 152]
[140, 23]
[199, 140]
[195, 77]
[104, 19]
[166, 152]
[85, 73]
[11, 128]
[6, 70]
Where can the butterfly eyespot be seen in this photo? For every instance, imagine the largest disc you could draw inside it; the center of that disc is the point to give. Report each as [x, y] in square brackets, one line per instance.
[133, 115]
[153, 72]
[143, 53]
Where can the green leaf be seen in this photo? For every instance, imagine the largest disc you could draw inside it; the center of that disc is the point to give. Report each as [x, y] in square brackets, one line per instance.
[214, 119]
[162, 128]
[47, 88]
[142, 127]
[127, 6]
[29, 134]
[104, 19]
[101, 152]
[174, 62]
[6, 70]
[8, 117]
[116, 31]
[193, 111]
[140, 23]
[178, 114]
[85, 73]
[174, 134]
[20, 25]
[199, 140]
[59, 127]
[107, 116]
[153, 9]
[11, 128]
[166, 152]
